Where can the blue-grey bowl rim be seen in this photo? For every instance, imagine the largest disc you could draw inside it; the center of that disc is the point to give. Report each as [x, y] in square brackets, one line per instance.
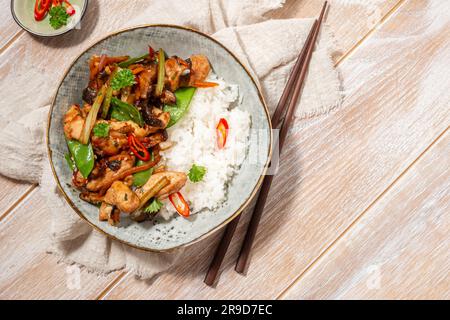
[224, 223]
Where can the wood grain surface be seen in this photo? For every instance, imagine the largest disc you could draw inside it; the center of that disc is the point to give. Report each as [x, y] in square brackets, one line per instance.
[9, 29]
[399, 249]
[28, 271]
[342, 163]
[359, 189]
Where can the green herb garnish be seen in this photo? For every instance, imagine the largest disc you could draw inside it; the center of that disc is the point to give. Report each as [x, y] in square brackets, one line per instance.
[196, 173]
[123, 78]
[154, 206]
[58, 17]
[101, 130]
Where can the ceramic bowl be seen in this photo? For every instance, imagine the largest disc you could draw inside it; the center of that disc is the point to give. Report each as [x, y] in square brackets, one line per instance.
[159, 234]
[23, 12]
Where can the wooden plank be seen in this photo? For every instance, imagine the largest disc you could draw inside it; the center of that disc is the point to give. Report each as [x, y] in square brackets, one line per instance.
[27, 271]
[33, 53]
[11, 192]
[399, 249]
[348, 21]
[9, 27]
[335, 166]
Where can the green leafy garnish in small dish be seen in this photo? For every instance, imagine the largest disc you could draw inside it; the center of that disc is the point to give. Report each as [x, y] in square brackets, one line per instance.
[196, 173]
[123, 78]
[58, 17]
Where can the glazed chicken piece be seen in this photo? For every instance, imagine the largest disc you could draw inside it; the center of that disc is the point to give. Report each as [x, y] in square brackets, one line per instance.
[200, 69]
[146, 79]
[74, 121]
[91, 197]
[176, 68]
[156, 119]
[125, 161]
[117, 139]
[127, 127]
[105, 211]
[78, 180]
[121, 196]
[109, 213]
[177, 181]
[181, 73]
[154, 139]
[111, 145]
[162, 116]
[168, 97]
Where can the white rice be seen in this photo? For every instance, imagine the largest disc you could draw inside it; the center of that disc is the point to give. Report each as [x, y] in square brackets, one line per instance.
[195, 142]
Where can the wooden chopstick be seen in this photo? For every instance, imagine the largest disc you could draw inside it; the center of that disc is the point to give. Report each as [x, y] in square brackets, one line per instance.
[282, 103]
[244, 255]
[280, 110]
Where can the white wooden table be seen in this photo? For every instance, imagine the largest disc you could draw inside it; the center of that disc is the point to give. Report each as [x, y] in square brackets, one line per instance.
[364, 210]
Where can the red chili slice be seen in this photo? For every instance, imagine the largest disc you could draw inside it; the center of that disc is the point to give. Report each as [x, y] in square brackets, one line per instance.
[69, 9]
[180, 204]
[41, 8]
[222, 133]
[139, 150]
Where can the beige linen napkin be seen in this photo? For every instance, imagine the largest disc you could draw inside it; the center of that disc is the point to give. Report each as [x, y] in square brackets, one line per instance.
[267, 47]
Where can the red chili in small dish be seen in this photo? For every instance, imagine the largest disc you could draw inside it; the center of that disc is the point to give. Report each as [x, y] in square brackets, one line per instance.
[41, 8]
[69, 9]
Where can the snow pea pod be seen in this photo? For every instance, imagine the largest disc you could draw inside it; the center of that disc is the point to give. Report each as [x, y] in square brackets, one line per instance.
[123, 111]
[141, 178]
[69, 161]
[177, 111]
[83, 155]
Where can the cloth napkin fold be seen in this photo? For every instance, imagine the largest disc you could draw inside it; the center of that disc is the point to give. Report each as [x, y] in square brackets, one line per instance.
[267, 47]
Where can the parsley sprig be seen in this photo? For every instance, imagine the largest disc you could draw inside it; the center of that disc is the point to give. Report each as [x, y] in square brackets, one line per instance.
[58, 17]
[154, 206]
[123, 78]
[196, 173]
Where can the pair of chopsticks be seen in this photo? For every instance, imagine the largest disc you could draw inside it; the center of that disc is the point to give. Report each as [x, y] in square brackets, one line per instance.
[286, 107]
